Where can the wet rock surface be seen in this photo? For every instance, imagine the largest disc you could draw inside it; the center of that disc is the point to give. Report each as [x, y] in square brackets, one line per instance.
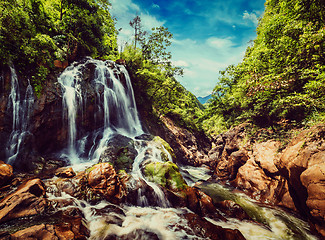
[120, 152]
[291, 177]
[6, 173]
[102, 182]
[205, 229]
[26, 201]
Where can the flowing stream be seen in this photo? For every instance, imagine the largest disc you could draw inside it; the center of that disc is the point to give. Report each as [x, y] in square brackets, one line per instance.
[115, 107]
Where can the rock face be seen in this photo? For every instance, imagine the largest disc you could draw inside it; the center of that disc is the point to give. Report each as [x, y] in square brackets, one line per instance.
[292, 177]
[190, 148]
[28, 200]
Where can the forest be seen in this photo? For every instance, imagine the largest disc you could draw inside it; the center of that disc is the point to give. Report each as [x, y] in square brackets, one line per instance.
[280, 81]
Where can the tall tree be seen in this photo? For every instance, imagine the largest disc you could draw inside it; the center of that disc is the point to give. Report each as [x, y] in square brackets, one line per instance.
[139, 34]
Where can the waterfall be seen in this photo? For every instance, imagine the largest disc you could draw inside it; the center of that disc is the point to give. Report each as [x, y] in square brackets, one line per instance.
[114, 101]
[21, 111]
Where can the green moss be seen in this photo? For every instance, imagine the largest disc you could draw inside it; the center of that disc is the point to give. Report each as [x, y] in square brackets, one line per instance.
[166, 146]
[165, 174]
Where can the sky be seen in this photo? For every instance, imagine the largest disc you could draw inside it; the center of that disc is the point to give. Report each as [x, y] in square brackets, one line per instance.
[208, 36]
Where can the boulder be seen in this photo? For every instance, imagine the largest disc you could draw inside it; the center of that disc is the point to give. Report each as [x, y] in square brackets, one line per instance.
[120, 152]
[43, 231]
[101, 181]
[28, 200]
[163, 146]
[207, 230]
[313, 179]
[232, 209]
[6, 173]
[166, 174]
[65, 172]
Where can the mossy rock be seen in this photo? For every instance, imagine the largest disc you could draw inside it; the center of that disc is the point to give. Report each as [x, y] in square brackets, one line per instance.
[120, 152]
[165, 174]
[166, 146]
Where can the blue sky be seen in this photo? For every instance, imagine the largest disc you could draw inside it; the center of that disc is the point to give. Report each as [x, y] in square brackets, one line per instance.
[207, 35]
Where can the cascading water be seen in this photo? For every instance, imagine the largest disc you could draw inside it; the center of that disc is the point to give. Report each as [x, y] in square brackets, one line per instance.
[112, 97]
[21, 112]
[280, 225]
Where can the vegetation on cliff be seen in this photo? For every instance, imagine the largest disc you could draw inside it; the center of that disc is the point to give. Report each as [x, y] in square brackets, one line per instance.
[37, 34]
[281, 78]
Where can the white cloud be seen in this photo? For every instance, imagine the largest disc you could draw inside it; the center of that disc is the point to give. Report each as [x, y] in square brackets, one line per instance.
[125, 6]
[181, 63]
[220, 43]
[155, 6]
[251, 17]
[204, 61]
[184, 42]
[148, 21]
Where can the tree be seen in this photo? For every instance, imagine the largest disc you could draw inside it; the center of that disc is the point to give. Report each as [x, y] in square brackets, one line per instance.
[155, 46]
[139, 34]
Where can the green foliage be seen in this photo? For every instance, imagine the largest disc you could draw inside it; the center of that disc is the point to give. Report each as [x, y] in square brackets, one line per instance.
[38, 79]
[156, 87]
[34, 33]
[281, 78]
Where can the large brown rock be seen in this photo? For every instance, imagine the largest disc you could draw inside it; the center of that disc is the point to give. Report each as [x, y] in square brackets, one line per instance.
[36, 232]
[314, 181]
[28, 200]
[102, 181]
[68, 229]
[6, 173]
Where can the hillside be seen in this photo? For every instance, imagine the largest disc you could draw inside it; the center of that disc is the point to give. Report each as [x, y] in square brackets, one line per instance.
[281, 78]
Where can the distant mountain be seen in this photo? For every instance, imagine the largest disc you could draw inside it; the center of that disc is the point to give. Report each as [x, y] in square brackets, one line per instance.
[203, 100]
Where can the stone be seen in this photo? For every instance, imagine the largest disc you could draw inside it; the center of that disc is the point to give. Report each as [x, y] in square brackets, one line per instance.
[6, 173]
[120, 152]
[232, 209]
[43, 231]
[165, 174]
[65, 172]
[28, 200]
[102, 181]
[265, 154]
[207, 230]
[314, 181]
